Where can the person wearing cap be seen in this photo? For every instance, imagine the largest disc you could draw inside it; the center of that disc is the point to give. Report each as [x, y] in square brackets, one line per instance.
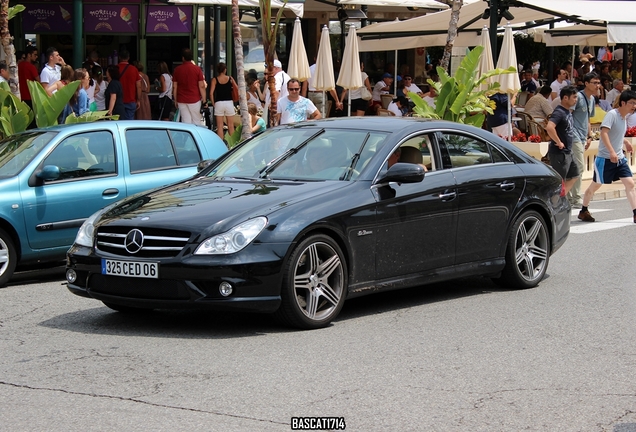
[281, 79]
[397, 106]
[527, 84]
[381, 87]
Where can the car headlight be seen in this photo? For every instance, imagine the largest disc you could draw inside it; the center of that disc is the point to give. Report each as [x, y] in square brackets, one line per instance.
[233, 240]
[85, 234]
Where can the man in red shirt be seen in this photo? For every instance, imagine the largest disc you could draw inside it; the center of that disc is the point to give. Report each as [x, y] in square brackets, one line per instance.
[131, 83]
[188, 88]
[28, 71]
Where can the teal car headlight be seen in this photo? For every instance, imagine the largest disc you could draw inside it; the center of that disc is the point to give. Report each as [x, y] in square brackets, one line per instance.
[233, 240]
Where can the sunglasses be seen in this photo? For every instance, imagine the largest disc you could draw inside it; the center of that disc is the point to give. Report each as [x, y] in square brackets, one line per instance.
[293, 89]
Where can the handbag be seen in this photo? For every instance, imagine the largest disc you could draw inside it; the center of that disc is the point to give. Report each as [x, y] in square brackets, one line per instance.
[235, 91]
[365, 94]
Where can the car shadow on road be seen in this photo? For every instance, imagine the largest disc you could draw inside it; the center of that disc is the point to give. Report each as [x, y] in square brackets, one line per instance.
[202, 324]
[417, 296]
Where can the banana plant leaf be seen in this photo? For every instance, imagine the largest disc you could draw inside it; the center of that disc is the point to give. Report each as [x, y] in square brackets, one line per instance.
[15, 115]
[48, 108]
[90, 116]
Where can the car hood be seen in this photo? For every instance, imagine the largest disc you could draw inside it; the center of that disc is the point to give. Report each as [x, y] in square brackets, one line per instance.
[202, 204]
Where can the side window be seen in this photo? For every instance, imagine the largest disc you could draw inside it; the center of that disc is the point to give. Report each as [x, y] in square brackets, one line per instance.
[465, 151]
[187, 150]
[84, 155]
[417, 150]
[149, 149]
[101, 150]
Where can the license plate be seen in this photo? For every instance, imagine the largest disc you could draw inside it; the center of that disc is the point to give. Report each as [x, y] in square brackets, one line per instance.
[130, 269]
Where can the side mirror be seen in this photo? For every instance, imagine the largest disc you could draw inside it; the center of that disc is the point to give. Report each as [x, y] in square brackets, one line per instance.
[403, 173]
[49, 172]
[204, 164]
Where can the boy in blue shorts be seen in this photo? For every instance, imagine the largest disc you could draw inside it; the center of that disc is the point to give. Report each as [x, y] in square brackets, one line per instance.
[610, 164]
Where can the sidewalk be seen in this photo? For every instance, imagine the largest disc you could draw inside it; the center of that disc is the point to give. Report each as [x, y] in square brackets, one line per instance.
[607, 191]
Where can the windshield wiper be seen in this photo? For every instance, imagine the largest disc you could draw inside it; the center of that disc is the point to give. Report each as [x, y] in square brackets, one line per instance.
[264, 172]
[354, 161]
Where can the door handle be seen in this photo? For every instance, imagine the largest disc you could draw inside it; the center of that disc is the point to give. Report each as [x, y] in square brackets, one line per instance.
[507, 186]
[111, 191]
[447, 196]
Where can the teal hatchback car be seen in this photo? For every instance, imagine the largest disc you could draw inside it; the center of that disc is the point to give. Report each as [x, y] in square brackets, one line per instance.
[52, 179]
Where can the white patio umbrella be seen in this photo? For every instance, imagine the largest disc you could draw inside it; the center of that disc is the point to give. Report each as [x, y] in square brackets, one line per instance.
[350, 77]
[509, 83]
[486, 63]
[298, 66]
[323, 78]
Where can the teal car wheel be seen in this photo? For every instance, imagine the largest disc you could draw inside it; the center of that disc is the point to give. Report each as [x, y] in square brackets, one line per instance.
[8, 258]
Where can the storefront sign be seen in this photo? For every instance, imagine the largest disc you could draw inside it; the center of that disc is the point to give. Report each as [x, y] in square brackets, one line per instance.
[107, 18]
[169, 19]
[47, 18]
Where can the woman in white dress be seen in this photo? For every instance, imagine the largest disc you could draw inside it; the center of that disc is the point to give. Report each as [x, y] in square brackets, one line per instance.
[100, 87]
[254, 94]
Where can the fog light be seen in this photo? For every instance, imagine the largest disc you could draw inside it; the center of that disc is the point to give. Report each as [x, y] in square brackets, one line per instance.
[225, 289]
[71, 276]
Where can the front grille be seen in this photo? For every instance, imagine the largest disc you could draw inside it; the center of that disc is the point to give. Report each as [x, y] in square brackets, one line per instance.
[139, 288]
[157, 243]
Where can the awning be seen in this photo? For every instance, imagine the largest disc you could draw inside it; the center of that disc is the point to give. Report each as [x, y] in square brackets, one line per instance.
[297, 6]
[573, 35]
[422, 4]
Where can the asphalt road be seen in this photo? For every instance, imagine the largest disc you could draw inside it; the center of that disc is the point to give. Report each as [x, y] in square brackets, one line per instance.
[461, 356]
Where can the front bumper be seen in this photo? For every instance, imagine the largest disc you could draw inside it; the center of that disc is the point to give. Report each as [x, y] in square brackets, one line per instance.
[192, 282]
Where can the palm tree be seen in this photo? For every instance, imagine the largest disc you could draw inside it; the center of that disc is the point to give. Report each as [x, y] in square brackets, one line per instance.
[269, 47]
[455, 6]
[6, 13]
[240, 70]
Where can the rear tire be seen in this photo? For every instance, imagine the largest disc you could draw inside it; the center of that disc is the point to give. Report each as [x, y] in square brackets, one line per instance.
[8, 257]
[314, 285]
[527, 253]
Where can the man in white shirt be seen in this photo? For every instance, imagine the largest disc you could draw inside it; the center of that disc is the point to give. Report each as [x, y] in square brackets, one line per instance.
[409, 86]
[294, 108]
[558, 84]
[381, 87]
[397, 105]
[617, 89]
[53, 67]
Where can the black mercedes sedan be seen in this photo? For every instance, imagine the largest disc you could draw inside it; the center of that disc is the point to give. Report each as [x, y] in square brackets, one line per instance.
[303, 216]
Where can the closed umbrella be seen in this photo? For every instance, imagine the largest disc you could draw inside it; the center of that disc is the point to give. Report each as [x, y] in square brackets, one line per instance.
[486, 63]
[323, 78]
[509, 83]
[350, 77]
[298, 66]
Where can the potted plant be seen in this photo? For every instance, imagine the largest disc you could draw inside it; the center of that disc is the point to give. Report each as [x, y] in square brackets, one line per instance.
[458, 97]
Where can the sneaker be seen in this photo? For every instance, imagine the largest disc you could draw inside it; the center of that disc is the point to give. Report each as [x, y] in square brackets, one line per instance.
[634, 218]
[585, 216]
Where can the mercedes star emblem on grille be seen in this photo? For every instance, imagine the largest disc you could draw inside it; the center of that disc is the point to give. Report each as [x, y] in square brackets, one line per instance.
[134, 241]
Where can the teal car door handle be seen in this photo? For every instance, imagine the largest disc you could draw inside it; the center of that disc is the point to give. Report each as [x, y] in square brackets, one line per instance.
[111, 191]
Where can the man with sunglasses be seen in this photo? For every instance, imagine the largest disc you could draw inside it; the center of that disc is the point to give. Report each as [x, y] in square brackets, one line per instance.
[294, 108]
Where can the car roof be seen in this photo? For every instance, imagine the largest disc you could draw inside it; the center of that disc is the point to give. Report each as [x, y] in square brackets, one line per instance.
[155, 124]
[384, 123]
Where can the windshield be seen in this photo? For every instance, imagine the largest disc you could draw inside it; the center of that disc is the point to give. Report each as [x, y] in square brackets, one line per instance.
[17, 151]
[304, 153]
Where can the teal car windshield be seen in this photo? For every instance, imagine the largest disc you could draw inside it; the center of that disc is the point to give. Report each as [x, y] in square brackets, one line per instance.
[17, 151]
[304, 153]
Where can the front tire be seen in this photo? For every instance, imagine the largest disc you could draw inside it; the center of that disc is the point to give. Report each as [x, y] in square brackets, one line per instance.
[527, 254]
[8, 257]
[314, 284]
